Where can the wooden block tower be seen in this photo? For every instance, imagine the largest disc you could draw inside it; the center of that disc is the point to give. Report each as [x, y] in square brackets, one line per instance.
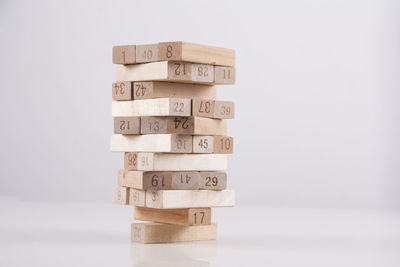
[173, 132]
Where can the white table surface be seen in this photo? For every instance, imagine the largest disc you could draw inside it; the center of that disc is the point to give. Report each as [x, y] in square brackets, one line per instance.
[89, 234]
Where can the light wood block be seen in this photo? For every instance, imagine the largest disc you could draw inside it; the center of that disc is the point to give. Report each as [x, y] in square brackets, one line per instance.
[175, 199]
[137, 197]
[147, 53]
[213, 144]
[146, 90]
[124, 54]
[200, 72]
[120, 195]
[184, 181]
[159, 180]
[171, 143]
[185, 217]
[213, 109]
[183, 125]
[152, 107]
[189, 52]
[169, 71]
[138, 161]
[224, 75]
[122, 91]
[172, 180]
[148, 233]
[127, 125]
[212, 180]
[132, 179]
[174, 162]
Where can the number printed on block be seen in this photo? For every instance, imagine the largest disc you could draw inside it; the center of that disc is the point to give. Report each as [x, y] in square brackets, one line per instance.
[185, 180]
[166, 125]
[224, 75]
[124, 54]
[120, 195]
[212, 144]
[181, 143]
[122, 91]
[224, 110]
[202, 73]
[213, 109]
[170, 51]
[137, 197]
[153, 198]
[203, 108]
[203, 144]
[200, 216]
[180, 106]
[157, 180]
[179, 71]
[181, 125]
[223, 145]
[212, 180]
[147, 53]
[127, 125]
[142, 90]
[153, 125]
[134, 161]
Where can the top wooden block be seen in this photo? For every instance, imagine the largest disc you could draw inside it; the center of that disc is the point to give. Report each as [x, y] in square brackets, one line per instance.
[173, 51]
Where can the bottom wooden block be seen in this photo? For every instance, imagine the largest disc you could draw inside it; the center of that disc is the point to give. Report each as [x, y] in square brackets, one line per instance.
[167, 233]
[186, 217]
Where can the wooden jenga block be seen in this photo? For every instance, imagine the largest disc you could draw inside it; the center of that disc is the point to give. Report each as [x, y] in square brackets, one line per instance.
[183, 125]
[134, 161]
[212, 144]
[137, 197]
[213, 109]
[172, 180]
[185, 217]
[189, 52]
[223, 145]
[122, 91]
[175, 199]
[212, 180]
[124, 54]
[188, 180]
[174, 162]
[200, 72]
[159, 180]
[127, 125]
[146, 90]
[167, 71]
[224, 110]
[120, 195]
[147, 53]
[172, 143]
[148, 233]
[152, 107]
[224, 75]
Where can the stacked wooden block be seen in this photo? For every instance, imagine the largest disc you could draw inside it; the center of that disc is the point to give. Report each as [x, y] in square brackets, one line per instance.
[174, 135]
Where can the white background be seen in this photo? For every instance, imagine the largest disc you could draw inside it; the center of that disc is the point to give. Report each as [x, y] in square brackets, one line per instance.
[316, 96]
